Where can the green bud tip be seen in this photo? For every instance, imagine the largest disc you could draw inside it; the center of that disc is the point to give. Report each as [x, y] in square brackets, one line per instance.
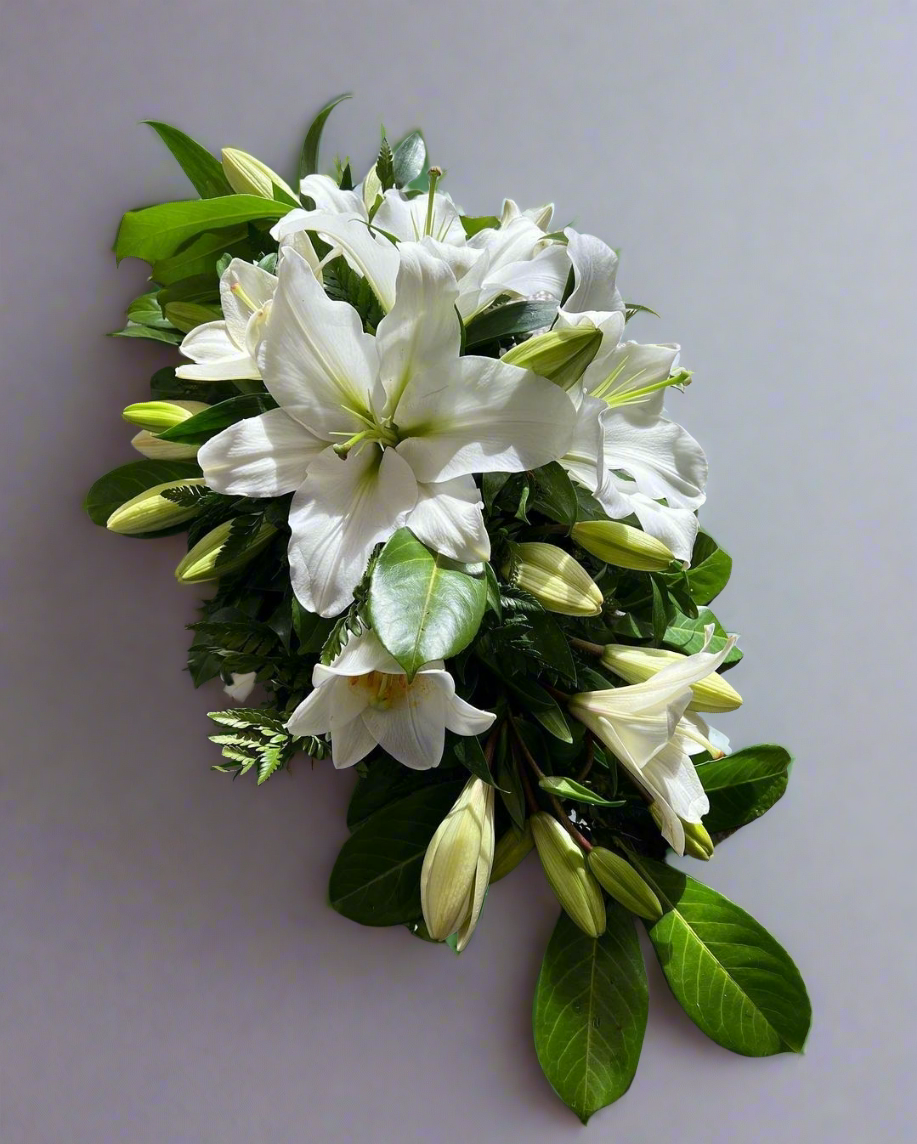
[619, 879]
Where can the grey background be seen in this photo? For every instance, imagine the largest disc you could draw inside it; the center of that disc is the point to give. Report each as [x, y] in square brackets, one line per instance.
[170, 971]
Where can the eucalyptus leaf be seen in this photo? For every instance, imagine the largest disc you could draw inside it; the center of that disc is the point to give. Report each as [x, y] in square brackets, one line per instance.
[590, 1011]
[203, 169]
[742, 786]
[508, 321]
[376, 878]
[154, 233]
[569, 788]
[308, 158]
[732, 978]
[127, 481]
[206, 424]
[421, 605]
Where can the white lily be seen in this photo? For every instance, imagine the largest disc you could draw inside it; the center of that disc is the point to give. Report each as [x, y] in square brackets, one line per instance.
[364, 699]
[374, 433]
[621, 429]
[242, 685]
[646, 728]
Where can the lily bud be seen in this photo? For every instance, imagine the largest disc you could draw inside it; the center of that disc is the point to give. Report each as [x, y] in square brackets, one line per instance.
[698, 842]
[624, 884]
[249, 176]
[200, 563]
[559, 355]
[636, 664]
[158, 450]
[557, 581]
[512, 847]
[457, 864]
[158, 416]
[565, 868]
[623, 545]
[150, 511]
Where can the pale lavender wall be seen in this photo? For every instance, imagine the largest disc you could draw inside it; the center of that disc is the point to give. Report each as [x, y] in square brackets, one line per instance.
[170, 972]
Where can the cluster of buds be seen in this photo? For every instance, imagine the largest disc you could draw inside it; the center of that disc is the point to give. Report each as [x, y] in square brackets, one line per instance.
[154, 417]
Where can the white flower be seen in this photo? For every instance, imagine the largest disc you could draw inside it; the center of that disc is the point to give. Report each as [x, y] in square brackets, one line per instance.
[243, 684]
[646, 728]
[364, 699]
[377, 432]
[621, 429]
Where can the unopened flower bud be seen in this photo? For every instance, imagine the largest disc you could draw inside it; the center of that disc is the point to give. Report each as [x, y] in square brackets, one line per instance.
[512, 847]
[200, 563]
[557, 581]
[158, 416]
[559, 355]
[150, 511]
[698, 842]
[622, 545]
[616, 875]
[157, 449]
[249, 176]
[457, 864]
[565, 868]
[636, 664]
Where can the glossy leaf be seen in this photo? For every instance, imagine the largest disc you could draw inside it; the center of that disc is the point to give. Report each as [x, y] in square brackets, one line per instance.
[570, 788]
[421, 605]
[507, 321]
[472, 224]
[409, 159]
[384, 780]
[554, 495]
[376, 878]
[735, 981]
[206, 424]
[710, 569]
[200, 256]
[203, 169]
[154, 233]
[169, 336]
[147, 311]
[308, 158]
[687, 635]
[590, 1011]
[741, 787]
[127, 481]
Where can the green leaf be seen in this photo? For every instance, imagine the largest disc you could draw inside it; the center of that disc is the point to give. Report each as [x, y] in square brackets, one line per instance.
[409, 159]
[385, 166]
[308, 158]
[554, 496]
[206, 424]
[741, 787]
[508, 321]
[203, 169]
[187, 316]
[146, 310]
[550, 644]
[421, 605]
[470, 754]
[687, 635]
[311, 629]
[570, 788]
[154, 233]
[170, 336]
[376, 878]
[710, 570]
[200, 256]
[127, 481]
[590, 1011]
[735, 982]
[493, 591]
[472, 224]
[659, 612]
[541, 705]
[384, 780]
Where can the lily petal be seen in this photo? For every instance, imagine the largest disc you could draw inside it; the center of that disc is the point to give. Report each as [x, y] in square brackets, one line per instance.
[595, 265]
[661, 456]
[263, 456]
[412, 728]
[328, 196]
[216, 355]
[406, 218]
[449, 518]
[244, 289]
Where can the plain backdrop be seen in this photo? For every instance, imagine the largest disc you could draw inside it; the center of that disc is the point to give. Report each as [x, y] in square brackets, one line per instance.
[171, 973]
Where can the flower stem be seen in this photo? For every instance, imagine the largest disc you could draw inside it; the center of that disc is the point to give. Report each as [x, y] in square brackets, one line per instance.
[558, 809]
[585, 645]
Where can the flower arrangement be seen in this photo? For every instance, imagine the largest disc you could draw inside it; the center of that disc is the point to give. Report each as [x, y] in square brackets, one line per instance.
[454, 544]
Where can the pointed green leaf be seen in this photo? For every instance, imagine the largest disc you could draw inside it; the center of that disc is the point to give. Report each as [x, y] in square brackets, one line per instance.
[735, 982]
[570, 788]
[686, 634]
[203, 169]
[308, 158]
[710, 569]
[154, 233]
[200, 256]
[509, 320]
[741, 787]
[421, 605]
[206, 424]
[170, 336]
[554, 496]
[376, 878]
[590, 1012]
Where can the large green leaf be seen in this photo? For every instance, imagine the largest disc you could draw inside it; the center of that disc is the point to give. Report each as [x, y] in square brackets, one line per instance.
[509, 320]
[735, 982]
[206, 424]
[376, 878]
[590, 1012]
[121, 484]
[741, 787]
[203, 169]
[154, 233]
[308, 158]
[686, 634]
[564, 787]
[710, 569]
[554, 494]
[200, 255]
[386, 780]
[170, 336]
[421, 605]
